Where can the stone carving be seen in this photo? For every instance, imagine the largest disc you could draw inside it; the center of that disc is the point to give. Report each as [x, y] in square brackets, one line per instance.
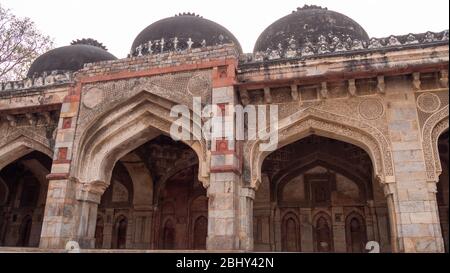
[428, 102]
[429, 37]
[93, 97]
[376, 143]
[371, 109]
[175, 44]
[200, 86]
[54, 78]
[343, 44]
[434, 126]
[411, 39]
[393, 41]
[118, 126]
[375, 43]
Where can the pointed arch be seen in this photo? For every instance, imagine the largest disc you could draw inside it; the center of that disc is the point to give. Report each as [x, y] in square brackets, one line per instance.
[120, 232]
[168, 234]
[290, 233]
[323, 232]
[200, 232]
[355, 232]
[123, 128]
[20, 144]
[312, 121]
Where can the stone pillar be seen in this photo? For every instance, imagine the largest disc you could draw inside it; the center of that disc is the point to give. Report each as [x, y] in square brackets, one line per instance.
[417, 228]
[71, 213]
[60, 221]
[277, 229]
[370, 222]
[88, 196]
[223, 212]
[247, 197]
[229, 201]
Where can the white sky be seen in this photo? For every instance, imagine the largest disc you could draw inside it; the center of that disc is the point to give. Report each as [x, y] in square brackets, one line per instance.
[117, 23]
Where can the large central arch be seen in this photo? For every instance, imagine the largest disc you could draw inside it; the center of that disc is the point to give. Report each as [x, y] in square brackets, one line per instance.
[112, 135]
[122, 129]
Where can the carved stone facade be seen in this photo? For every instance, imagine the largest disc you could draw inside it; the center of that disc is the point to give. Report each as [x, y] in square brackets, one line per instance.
[362, 150]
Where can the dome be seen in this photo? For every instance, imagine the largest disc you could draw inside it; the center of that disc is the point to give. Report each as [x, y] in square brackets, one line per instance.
[180, 32]
[310, 24]
[69, 58]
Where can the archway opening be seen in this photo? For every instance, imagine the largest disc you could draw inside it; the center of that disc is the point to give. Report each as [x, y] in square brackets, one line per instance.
[23, 192]
[319, 195]
[155, 200]
[443, 193]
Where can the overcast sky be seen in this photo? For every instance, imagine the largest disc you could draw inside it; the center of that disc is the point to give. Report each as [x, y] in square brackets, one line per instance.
[117, 23]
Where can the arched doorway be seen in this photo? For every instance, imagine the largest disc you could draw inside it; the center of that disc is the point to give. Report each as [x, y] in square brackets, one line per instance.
[442, 186]
[319, 183]
[23, 192]
[120, 233]
[290, 233]
[200, 233]
[323, 235]
[186, 207]
[356, 235]
[154, 199]
[168, 235]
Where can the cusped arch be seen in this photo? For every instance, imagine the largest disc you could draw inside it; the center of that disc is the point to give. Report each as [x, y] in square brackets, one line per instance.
[325, 124]
[20, 144]
[354, 214]
[432, 129]
[123, 128]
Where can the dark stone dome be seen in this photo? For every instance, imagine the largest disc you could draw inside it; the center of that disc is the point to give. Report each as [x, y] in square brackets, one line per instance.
[68, 58]
[180, 32]
[306, 25]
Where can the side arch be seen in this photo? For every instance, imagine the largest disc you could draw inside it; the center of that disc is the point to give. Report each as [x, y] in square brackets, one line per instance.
[21, 144]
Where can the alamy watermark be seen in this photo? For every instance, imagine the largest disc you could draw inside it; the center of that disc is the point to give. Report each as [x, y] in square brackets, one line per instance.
[232, 122]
